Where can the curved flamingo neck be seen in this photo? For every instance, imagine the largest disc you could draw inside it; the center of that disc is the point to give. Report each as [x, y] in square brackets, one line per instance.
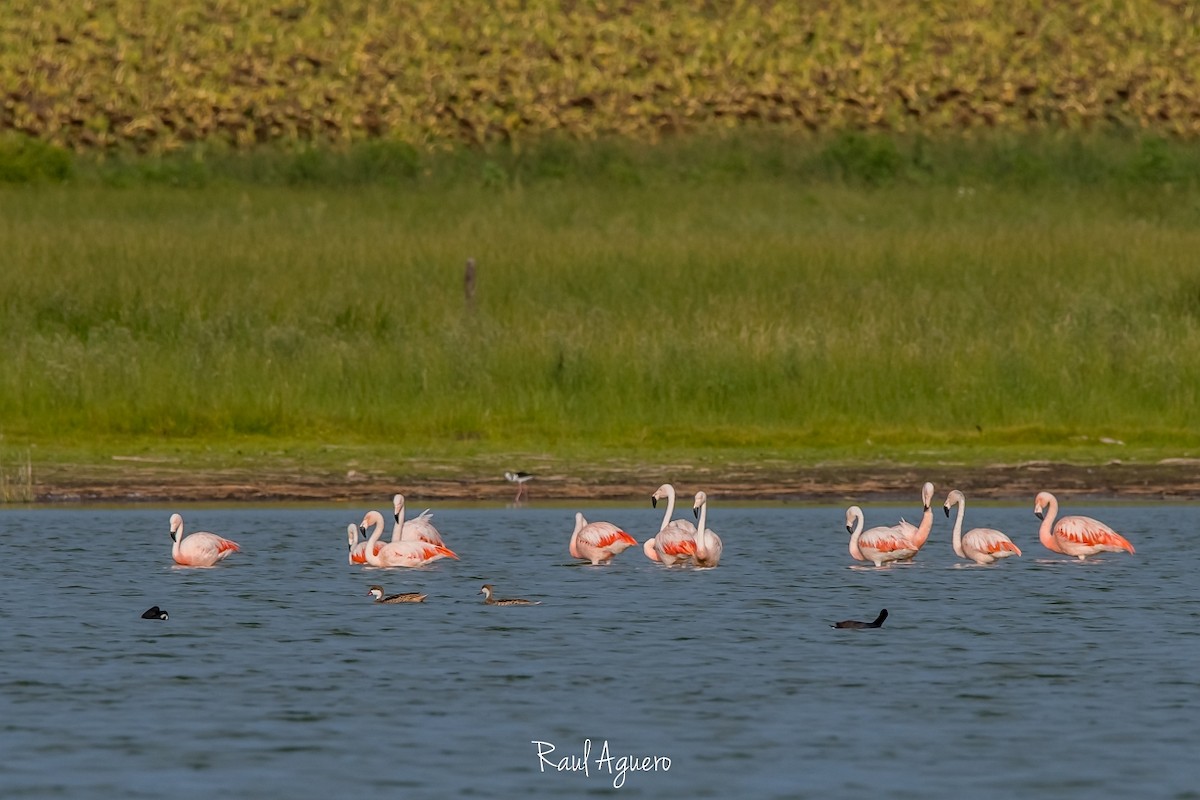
[960, 509]
[855, 552]
[177, 547]
[701, 534]
[670, 508]
[398, 528]
[1046, 530]
[372, 557]
[649, 549]
[924, 528]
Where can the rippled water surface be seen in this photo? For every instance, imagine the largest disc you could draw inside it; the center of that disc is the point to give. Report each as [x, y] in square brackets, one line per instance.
[276, 676]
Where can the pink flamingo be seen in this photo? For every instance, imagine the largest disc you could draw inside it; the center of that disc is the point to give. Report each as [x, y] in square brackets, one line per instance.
[399, 554]
[598, 542]
[675, 540]
[879, 545]
[358, 548]
[917, 535]
[1075, 536]
[981, 545]
[418, 529]
[201, 549]
[708, 544]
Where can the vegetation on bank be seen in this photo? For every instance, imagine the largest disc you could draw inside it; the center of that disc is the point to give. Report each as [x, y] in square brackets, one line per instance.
[702, 295]
[159, 75]
[806, 231]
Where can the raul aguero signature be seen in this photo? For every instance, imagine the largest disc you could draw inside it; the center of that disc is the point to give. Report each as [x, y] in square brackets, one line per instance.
[618, 766]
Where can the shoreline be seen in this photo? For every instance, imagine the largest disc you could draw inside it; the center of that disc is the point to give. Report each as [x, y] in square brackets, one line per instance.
[1169, 479]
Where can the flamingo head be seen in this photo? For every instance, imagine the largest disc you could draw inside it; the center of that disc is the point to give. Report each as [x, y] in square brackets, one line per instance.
[376, 592]
[664, 492]
[1040, 502]
[176, 527]
[853, 514]
[701, 499]
[927, 495]
[580, 521]
[371, 518]
[352, 532]
[398, 506]
[954, 497]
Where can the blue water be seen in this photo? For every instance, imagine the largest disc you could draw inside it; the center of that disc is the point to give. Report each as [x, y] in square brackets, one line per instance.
[276, 676]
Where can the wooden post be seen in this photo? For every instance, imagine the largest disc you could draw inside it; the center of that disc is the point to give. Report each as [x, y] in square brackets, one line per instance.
[469, 284]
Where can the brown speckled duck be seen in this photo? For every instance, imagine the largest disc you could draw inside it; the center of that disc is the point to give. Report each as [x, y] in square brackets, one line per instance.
[488, 599]
[406, 597]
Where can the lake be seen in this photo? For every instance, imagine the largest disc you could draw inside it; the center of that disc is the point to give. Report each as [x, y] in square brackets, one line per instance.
[276, 675]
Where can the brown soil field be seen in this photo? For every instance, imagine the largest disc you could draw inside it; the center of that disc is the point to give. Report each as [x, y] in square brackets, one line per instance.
[133, 480]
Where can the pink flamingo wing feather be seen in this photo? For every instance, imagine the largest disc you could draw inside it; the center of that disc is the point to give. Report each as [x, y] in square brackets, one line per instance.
[1088, 531]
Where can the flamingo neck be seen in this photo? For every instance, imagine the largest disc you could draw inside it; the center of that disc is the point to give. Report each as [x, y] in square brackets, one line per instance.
[924, 528]
[701, 534]
[855, 552]
[1046, 530]
[398, 528]
[377, 531]
[670, 510]
[959, 510]
[177, 544]
[649, 549]
[574, 547]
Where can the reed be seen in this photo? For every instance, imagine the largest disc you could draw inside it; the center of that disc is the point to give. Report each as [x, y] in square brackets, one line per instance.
[750, 307]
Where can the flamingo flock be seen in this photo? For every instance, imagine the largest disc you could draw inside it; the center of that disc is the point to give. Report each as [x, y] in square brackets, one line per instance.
[679, 543]
[1076, 536]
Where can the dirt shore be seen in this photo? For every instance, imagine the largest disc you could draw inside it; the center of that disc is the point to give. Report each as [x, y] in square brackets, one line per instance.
[133, 481]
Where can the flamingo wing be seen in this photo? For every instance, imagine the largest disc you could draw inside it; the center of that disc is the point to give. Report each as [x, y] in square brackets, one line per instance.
[430, 550]
[678, 547]
[988, 544]
[1088, 532]
[889, 544]
[675, 544]
[420, 530]
[228, 546]
[677, 538]
[605, 534]
[358, 555]
[684, 526]
[205, 549]
[413, 553]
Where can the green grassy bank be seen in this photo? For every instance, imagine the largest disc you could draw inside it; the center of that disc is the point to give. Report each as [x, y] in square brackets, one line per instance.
[852, 297]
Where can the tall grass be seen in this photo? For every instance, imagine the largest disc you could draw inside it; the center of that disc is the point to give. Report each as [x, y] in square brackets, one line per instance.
[729, 307]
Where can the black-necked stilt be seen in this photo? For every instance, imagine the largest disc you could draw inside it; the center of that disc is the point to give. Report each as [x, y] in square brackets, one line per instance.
[520, 479]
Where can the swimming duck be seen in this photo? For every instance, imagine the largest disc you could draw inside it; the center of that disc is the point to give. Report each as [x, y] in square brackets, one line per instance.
[405, 597]
[486, 591]
[154, 612]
